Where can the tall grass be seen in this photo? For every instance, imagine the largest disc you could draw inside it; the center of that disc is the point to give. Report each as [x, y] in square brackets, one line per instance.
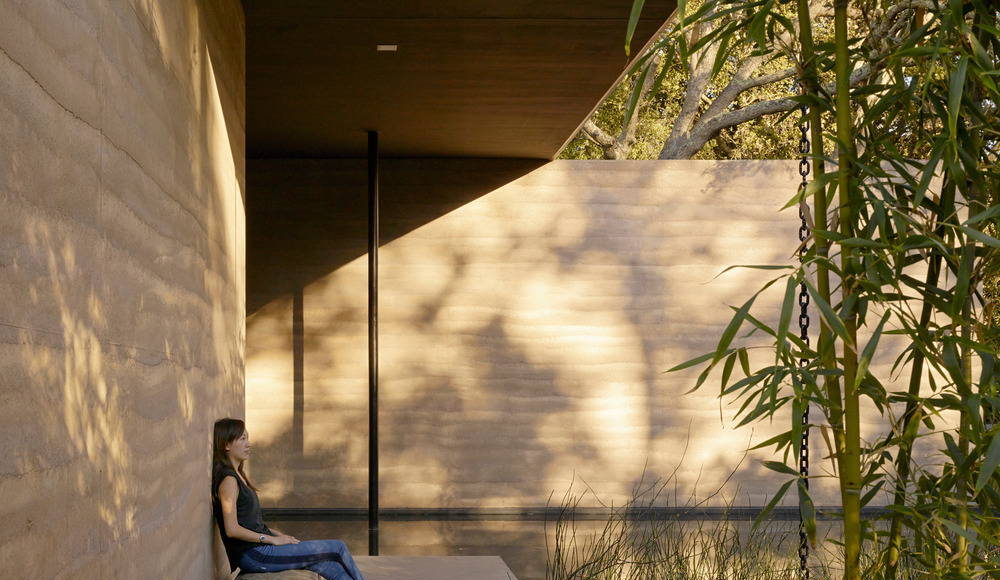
[640, 541]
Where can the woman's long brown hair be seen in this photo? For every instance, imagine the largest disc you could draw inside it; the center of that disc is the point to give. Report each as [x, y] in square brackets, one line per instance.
[226, 431]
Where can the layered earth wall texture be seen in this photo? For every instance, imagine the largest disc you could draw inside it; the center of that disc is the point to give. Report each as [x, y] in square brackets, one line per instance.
[122, 281]
[528, 312]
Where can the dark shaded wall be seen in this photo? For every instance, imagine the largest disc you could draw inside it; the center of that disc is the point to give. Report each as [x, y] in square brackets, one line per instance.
[122, 281]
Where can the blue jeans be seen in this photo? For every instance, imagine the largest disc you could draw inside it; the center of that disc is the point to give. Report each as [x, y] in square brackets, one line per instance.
[328, 558]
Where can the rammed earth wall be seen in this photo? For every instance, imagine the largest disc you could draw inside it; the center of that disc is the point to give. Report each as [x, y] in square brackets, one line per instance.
[121, 277]
[528, 312]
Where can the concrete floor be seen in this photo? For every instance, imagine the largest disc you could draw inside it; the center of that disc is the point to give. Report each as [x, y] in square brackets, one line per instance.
[412, 568]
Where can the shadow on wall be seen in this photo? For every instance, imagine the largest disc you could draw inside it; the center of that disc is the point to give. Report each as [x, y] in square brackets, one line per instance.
[122, 325]
[308, 217]
[523, 333]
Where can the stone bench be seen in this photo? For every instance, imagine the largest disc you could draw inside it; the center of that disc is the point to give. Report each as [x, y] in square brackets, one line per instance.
[412, 568]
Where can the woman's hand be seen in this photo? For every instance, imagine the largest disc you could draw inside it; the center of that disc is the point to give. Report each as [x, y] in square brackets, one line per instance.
[282, 539]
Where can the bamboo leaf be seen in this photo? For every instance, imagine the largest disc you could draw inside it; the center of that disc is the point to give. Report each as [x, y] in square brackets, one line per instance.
[633, 98]
[990, 462]
[780, 467]
[870, 494]
[983, 216]
[807, 511]
[988, 366]
[869, 350]
[727, 370]
[753, 267]
[831, 318]
[761, 326]
[762, 516]
[720, 56]
[861, 242]
[702, 377]
[929, 170]
[763, 410]
[748, 382]
[786, 313]
[733, 327]
[690, 363]
[779, 441]
[981, 237]
[633, 21]
[955, 89]
[964, 532]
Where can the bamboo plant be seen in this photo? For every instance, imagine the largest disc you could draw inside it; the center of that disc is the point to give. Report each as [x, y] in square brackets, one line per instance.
[905, 252]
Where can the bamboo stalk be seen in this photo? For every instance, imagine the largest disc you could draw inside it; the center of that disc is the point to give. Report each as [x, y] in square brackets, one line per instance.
[973, 196]
[965, 422]
[913, 413]
[850, 457]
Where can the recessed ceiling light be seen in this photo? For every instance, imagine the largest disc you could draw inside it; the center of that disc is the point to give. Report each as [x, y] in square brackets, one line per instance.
[387, 47]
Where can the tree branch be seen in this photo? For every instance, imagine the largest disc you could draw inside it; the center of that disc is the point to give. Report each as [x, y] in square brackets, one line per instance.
[770, 107]
[597, 135]
[700, 68]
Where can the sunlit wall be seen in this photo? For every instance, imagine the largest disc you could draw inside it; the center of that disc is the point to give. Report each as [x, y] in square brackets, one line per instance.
[122, 281]
[524, 329]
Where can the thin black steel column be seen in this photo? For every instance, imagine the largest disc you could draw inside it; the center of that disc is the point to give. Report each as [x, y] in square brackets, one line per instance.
[373, 343]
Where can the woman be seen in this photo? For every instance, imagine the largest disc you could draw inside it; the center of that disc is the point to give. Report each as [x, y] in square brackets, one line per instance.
[250, 544]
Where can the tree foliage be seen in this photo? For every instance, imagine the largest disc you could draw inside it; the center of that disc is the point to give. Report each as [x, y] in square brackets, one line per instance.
[734, 108]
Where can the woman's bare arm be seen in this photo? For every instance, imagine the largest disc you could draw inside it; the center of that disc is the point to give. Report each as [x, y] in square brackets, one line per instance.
[228, 492]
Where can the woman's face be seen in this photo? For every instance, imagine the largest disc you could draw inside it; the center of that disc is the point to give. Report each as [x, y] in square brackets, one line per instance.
[239, 450]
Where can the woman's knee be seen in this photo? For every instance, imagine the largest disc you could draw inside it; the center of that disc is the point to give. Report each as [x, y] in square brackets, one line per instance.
[337, 546]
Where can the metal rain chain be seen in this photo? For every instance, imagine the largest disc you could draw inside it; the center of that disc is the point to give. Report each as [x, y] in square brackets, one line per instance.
[804, 233]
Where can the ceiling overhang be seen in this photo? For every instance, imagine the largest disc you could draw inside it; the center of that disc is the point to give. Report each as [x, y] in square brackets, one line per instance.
[469, 78]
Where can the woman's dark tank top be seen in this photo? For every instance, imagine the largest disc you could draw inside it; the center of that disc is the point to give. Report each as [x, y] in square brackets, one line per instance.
[248, 515]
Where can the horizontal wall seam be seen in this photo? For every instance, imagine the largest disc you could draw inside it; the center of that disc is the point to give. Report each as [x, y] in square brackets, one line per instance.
[553, 513]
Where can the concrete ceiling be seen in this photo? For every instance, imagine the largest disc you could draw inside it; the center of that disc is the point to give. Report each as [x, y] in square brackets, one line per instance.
[470, 78]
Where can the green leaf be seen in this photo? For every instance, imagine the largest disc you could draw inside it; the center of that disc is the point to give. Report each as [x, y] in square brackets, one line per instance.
[929, 170]
[757, 521]
[727, 370]
[702, 377]
[861, 242]
[633, 98]
[780, 468]
[633, 21]
[733, 327]
[831, 318]
[964, 532]
[779, 441]
[720, 55]
[990, 462]
[987, 367]
[986, 215]
[744, 361]
[761, 326]
[764, 410]
[807, 511]
[955, 89]
[690, 363]
[753, 267]
[981, 237]
[869, 350]
[756, 28]
[748, 381]
[786, 313]
[870, 494]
